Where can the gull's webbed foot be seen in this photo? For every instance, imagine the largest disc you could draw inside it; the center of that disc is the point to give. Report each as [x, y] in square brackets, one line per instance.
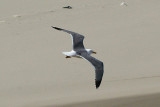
[68, 57]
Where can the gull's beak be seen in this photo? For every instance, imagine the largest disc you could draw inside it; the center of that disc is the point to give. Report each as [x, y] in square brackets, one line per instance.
[94, 52]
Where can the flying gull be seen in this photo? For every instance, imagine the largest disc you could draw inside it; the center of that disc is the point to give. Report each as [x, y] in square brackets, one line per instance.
[80, 52]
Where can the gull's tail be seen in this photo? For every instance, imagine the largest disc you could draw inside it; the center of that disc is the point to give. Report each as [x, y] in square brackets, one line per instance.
[56, 28]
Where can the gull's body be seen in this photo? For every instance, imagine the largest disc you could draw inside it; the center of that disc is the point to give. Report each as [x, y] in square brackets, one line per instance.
[73, 53]
[80, 52]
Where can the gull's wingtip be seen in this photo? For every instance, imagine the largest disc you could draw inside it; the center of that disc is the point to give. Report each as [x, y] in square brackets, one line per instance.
[97, 84]
[56, 28]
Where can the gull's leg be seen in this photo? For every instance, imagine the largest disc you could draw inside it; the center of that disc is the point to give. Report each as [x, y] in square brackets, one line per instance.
[68, 56]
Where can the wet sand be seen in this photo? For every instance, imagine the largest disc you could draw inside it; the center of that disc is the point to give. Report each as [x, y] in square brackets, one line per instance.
[151, 100]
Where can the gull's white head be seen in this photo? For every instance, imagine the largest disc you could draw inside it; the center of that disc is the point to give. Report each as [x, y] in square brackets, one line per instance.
[90, 51]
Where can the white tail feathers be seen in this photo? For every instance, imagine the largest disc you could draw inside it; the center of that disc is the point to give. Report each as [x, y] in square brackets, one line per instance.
[71, 53]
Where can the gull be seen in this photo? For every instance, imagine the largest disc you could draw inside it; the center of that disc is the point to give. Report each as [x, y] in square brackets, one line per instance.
[123, 4]
[79, 51]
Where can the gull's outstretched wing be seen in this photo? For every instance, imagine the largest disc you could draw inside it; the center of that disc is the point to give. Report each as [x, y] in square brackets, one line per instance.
[77, 39]
[98, 65]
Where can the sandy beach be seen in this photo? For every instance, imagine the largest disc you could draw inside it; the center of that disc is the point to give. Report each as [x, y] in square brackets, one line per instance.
[35, 73]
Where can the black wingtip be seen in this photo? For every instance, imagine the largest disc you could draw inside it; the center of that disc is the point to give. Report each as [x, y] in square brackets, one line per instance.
[97, 84]
[56, 28]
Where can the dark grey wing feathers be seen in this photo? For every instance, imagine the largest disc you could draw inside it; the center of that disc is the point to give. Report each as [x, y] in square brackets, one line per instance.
[57, 28]
[77, 39]
[98, 65]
